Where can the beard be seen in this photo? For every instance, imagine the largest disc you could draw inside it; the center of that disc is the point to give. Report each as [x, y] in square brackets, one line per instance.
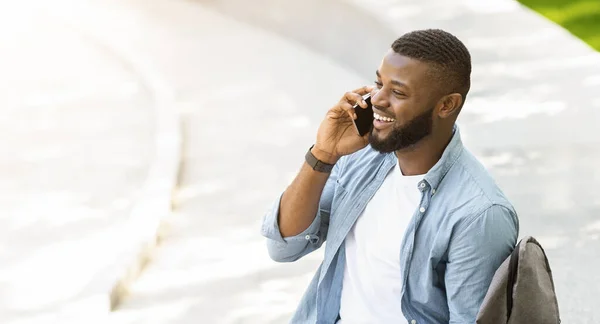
[404, 136]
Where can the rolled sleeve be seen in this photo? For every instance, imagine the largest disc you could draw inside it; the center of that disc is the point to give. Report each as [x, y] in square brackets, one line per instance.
[292, 248]
[474, 257]
[288, 249]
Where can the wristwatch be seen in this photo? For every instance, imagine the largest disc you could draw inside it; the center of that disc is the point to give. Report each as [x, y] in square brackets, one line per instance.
[317, 164]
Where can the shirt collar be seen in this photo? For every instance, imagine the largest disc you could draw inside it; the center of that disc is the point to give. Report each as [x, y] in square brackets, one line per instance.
[451, 153]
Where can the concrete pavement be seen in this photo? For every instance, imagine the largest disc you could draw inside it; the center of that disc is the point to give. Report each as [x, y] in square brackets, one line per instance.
[252, 83]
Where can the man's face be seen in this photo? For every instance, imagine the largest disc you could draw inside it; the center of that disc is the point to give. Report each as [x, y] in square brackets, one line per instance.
[405, 94]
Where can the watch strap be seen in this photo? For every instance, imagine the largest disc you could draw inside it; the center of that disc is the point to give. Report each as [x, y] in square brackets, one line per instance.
[317, 164]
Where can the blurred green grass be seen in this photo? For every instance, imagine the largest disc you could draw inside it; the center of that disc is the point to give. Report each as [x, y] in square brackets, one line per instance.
[580, 17]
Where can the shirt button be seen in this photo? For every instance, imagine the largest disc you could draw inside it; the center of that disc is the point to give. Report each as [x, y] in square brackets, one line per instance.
[307, 237]
[432, 191]
[413, 322]
[422, 185]
[422, 209]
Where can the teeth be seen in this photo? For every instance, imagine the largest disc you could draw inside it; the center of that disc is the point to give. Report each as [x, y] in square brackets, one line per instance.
[379, 117]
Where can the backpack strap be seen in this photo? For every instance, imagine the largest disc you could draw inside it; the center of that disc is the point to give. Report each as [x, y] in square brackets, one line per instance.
[513, 267]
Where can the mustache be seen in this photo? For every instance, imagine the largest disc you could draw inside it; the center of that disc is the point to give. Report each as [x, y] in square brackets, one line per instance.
[383, 110]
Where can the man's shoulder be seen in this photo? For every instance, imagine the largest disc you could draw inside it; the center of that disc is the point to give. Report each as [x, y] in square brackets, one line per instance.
[472, 189]
[468, 171]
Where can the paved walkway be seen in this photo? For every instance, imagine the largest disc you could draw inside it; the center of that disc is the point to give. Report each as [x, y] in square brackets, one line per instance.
[77, 136]
[252, 99]
[247, 126]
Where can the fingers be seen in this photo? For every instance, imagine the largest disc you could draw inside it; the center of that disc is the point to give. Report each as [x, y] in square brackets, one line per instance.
[348, 109]
[355, 96]
[354, 99]
[363, 90]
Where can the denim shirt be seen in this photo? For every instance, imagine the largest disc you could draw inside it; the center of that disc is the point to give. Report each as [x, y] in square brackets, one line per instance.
[459, 235]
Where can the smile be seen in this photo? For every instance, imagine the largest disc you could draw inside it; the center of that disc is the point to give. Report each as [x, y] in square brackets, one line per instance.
[382, 118]
[381, 122]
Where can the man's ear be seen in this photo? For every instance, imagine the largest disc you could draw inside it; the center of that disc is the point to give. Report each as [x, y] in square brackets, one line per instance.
[449, 105]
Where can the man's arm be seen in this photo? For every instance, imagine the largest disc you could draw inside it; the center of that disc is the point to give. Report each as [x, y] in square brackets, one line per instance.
[302, 213]
[300, 200]
[473, 258]
[304, 207]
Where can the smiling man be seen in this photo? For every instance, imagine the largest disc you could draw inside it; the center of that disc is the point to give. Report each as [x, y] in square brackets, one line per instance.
[415, 225]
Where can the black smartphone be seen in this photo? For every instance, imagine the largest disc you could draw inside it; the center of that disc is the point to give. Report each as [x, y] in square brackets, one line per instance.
[364, 116]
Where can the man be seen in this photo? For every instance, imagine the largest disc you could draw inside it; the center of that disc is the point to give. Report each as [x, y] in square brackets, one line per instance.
[415, 226]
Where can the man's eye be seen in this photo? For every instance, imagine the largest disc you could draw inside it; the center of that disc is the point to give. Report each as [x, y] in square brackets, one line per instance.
[398, 93]
[378, 84]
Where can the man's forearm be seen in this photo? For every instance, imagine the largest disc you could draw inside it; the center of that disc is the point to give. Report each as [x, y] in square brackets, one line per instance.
[300, 201]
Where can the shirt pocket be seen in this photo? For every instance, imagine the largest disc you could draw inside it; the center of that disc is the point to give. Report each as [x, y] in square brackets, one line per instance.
[339, 196]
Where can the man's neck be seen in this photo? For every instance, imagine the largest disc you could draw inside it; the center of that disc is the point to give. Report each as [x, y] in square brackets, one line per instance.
[420, 158]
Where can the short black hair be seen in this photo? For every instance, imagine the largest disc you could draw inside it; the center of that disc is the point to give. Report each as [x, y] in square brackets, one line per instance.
[449, 57]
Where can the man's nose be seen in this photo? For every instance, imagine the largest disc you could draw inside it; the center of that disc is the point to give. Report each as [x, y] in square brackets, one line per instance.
[378, 98]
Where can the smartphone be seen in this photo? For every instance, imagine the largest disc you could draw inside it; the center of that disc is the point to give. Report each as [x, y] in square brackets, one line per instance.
[364, 117]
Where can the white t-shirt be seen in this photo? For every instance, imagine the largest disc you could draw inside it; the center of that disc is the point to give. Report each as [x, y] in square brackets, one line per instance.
[372, 285]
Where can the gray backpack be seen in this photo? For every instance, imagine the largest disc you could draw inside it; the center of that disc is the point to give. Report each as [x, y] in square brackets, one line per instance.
[522, 290]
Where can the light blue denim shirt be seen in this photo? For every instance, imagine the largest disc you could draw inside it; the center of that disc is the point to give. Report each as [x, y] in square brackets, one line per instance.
[462, 231]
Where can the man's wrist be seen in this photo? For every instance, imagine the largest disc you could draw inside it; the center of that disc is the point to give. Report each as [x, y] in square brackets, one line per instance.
[323, 155]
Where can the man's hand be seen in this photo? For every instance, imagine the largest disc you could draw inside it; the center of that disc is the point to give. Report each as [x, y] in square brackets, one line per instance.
[337, 136]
